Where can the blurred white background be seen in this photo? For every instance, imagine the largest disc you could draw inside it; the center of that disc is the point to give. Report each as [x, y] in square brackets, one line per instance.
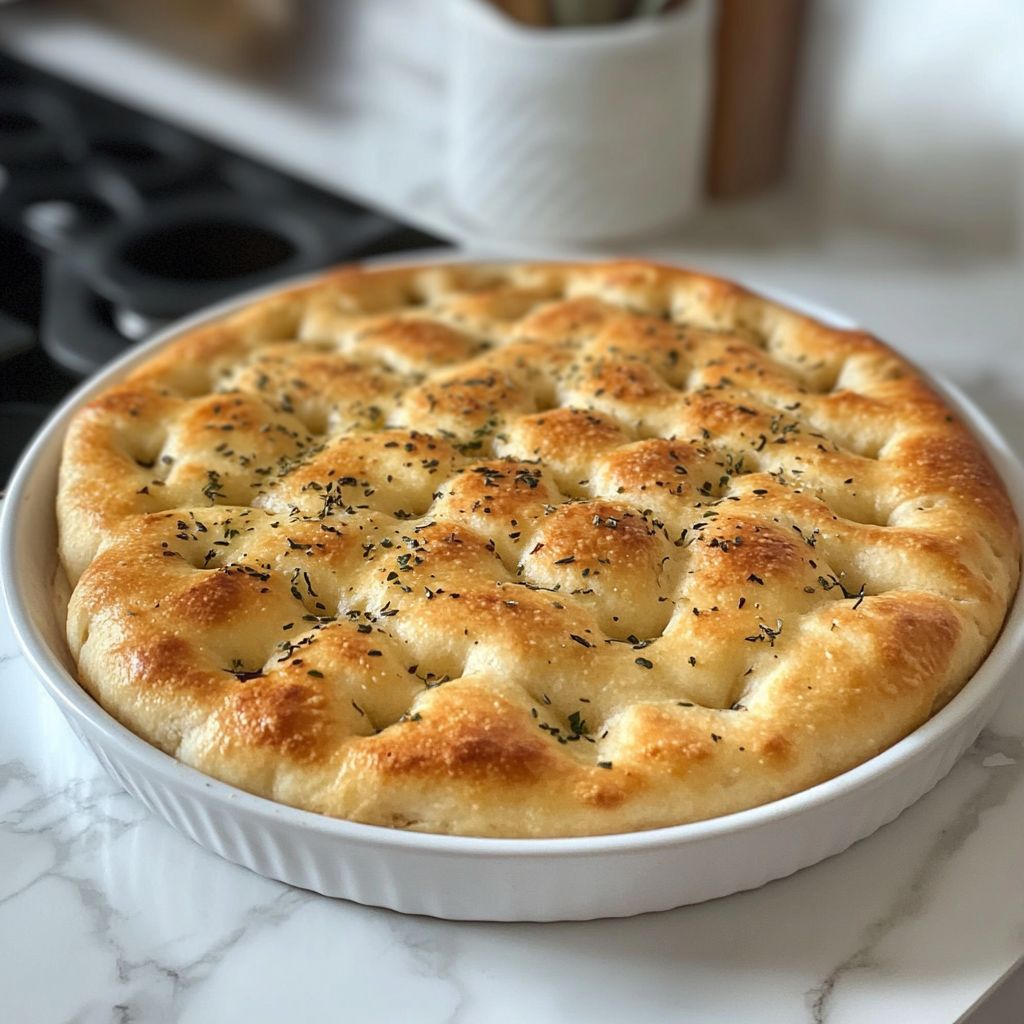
[913, 119]
[910, 124]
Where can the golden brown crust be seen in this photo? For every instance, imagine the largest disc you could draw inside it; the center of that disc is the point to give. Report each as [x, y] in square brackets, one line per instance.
[528, 550]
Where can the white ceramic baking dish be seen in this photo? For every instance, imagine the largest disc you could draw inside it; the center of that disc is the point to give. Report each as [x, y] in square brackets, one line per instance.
[468, 878]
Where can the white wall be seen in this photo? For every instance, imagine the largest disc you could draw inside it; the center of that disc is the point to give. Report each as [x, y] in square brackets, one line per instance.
[913, 120]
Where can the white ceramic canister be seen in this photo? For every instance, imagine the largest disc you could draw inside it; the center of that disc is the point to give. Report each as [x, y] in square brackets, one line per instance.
[577, 134]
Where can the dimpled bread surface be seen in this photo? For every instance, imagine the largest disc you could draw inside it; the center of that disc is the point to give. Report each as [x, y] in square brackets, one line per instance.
[527, 550]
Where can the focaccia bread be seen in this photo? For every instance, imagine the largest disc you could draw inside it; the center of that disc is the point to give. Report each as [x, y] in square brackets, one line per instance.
[528, 550]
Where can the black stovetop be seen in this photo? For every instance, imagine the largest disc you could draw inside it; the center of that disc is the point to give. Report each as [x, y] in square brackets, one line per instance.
[113, 223]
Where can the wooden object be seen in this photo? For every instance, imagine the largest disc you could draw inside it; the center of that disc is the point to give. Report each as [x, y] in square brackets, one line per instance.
[237, 36]
[528, 12]
[757, 50]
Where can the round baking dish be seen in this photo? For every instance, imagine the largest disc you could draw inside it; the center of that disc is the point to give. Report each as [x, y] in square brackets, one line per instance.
[469, 878]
